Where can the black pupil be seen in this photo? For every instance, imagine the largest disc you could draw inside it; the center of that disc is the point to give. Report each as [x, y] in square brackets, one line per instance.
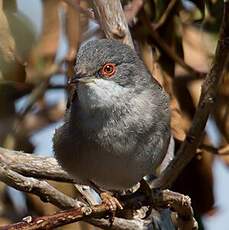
[109, 69]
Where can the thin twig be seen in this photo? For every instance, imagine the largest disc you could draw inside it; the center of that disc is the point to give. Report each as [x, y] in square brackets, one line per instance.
[165, 15]
[222, 151]
[166, 48]
[208, 96]
[38, 120]
[34, 96]
[28, 87]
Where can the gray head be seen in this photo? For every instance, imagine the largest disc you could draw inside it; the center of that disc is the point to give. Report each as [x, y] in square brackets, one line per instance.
[106, 69]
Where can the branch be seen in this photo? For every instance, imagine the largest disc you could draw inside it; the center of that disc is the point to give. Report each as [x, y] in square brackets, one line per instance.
[208, 96]
[46, 115]
[74, 215]
[162, 199]
[165, 15]
[36, 93]
[112, 20]
[223, 151]
[46, 192]
[34, 166]
[126, 224]
[46, 167]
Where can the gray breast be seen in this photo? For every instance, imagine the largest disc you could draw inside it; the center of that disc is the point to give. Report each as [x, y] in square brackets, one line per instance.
[114, 149]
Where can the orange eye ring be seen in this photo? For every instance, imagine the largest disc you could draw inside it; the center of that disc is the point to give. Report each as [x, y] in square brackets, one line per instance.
[108, 70]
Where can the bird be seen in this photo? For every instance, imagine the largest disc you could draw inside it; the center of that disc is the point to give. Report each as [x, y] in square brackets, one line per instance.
[117, 127]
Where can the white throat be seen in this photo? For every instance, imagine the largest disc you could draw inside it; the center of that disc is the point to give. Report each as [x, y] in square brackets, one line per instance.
[99, 94]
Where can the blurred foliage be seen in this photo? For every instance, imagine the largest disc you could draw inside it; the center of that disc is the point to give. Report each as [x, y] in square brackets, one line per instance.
[176, 39]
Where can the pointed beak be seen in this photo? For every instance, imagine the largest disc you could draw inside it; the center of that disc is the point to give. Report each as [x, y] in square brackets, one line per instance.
[78, 78]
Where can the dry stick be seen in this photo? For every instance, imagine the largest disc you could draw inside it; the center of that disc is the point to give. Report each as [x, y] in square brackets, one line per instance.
[45, 191]
[221, 152]
[130, 11]
[75, 215]
[220, 123]
[34, 166]
[166, 48]
[163, 199]
[124, 224]
[28, 87]
[37, 93]
[165, 15]
[112, 20]
[224, 150]
[39, 90]
[42, 118]
[208, 96]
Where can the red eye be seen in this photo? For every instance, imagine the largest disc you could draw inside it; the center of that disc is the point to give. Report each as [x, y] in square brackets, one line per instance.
[108, 70]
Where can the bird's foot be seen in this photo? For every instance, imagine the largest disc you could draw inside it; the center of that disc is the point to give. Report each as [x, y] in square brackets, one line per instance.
[112, 204]
[145, 189]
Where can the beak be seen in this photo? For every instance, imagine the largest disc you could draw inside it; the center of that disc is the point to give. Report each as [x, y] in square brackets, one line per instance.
[78, 78]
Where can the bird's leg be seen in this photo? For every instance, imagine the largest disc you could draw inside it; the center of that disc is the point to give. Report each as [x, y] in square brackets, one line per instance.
[111, 202]
[145, 189]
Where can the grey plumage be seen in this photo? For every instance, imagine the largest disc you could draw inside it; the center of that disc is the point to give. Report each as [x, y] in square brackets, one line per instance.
[117, 129]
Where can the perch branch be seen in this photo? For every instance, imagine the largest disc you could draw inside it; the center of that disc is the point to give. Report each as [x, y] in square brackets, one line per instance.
[207, 98]
[46, 168]
[123, 224]
[163, 199]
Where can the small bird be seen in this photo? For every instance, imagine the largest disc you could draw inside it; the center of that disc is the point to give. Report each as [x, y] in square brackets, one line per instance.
[117, 127]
